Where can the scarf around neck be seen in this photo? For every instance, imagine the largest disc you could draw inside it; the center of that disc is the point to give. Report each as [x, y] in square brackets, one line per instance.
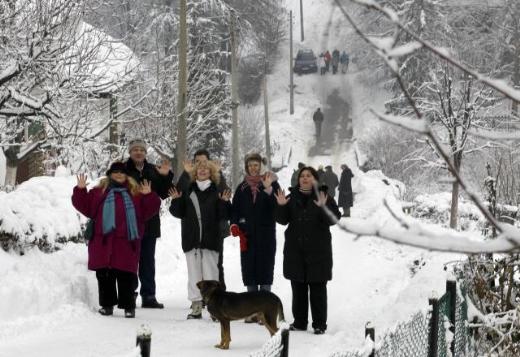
[252, 182]
[203, 185]
[109, 212]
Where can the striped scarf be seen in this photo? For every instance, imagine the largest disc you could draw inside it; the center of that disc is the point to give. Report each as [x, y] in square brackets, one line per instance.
[109, 213]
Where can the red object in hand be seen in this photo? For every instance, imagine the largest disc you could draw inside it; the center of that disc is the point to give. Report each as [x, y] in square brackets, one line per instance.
[236, 232]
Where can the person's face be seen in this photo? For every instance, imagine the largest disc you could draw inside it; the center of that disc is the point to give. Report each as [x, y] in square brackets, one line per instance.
[118, 176]
[253, 168]
[306, 180]
[200, 159]
[203, 173]
[138, 154]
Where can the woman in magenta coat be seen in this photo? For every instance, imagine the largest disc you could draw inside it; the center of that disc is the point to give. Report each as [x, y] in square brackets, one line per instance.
[119, 208]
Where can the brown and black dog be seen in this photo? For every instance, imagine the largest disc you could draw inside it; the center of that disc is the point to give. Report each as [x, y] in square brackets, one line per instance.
[227, 306]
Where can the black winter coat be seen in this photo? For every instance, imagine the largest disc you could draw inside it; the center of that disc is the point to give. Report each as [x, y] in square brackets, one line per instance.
[307, 252]
[345, 189]
[160, 185]
[212, 211]
[330, 179]
[256, 220]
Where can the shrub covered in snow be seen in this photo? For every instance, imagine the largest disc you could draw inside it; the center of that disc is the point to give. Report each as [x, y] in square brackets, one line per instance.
[39, 212]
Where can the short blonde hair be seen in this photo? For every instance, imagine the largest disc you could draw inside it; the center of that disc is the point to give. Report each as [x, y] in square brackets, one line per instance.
[133, 186]
[214, 173]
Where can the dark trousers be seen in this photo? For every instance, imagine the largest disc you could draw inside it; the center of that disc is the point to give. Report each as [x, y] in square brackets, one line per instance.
[300, 304]
[220, 266]
[317, 125]
[116, 287]
[147, 267]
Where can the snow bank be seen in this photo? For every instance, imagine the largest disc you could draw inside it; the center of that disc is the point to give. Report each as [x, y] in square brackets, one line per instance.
[436, 208]
[39, 212]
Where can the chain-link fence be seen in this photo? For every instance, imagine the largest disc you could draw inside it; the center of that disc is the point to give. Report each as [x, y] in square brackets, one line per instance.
[408, 339]
[277, 346]
[441, 332]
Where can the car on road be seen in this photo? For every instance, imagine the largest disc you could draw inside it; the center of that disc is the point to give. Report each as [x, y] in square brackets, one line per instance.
[305, 62]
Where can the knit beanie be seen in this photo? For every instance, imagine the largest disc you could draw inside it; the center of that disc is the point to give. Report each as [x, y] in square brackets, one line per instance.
[137, 143]
[117, 166]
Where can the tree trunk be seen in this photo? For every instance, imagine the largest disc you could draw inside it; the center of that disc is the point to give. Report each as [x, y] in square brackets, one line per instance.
[11, 166]
[454, 212]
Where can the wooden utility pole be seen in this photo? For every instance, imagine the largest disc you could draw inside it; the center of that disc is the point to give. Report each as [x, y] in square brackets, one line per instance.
[183, 87]
[266, 114]
[291, 63]
[234, 103]
[301, 19]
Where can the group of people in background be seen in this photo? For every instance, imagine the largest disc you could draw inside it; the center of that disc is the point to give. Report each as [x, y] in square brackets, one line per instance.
[326, 61]
[327, 178]
[124, 208]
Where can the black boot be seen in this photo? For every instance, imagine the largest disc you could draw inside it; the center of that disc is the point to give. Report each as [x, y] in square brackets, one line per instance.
[130, 313]
[106, 310]
[151, 304]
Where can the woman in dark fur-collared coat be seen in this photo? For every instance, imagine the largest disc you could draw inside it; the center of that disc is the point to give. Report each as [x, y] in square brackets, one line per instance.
[252, 219]
[307, 252]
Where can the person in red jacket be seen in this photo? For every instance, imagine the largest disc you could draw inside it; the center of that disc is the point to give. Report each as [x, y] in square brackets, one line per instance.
[119, 208]
[327, 58]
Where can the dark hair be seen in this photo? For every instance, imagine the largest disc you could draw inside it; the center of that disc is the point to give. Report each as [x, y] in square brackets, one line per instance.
[301, 165]
[312, 170]
[201, 152]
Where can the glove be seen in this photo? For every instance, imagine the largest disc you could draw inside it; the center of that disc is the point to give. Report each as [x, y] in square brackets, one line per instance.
[236, 232]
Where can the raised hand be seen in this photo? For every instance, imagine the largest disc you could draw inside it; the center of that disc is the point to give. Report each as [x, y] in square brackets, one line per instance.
[82, 180]
[163, 168]
[280, 197]
[188, 165]
[268, 179]
[322, 199]
[174, 194]
[146, 187]
[225, 196]
[218, 164]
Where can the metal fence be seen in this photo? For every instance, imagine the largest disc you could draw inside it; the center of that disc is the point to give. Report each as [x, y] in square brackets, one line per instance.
[277, 346]
[441, 332]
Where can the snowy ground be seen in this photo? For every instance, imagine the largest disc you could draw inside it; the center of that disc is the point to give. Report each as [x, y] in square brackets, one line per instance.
[49, 301]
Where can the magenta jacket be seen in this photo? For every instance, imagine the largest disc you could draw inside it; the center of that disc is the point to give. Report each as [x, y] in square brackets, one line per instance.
[114, 250]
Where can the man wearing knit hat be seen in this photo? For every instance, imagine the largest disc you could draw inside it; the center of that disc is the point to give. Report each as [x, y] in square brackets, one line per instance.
[161, 178]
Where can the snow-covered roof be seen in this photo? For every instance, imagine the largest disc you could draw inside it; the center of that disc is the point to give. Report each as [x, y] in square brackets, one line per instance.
[107, 63]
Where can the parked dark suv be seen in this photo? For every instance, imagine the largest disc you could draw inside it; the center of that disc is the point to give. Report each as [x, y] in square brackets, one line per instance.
[305, 62]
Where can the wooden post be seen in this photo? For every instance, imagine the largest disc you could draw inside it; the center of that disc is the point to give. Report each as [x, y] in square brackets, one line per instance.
[182, 86]
[234, 104]
[433, 338]
[301, 19]
[291, 64]
[370, 331]
[144, 340]
[451, 290]
[266, 114]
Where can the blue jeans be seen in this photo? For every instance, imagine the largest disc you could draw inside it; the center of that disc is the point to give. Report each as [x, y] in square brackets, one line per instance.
[251, 288]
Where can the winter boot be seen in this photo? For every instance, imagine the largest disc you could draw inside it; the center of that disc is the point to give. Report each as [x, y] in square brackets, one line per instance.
[106, 310]
[196, 310]
[130, 313]
[151, 303]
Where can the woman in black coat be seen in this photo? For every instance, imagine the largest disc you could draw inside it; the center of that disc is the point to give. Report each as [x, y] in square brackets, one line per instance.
[252, 218]
[201, 208]
[307, 253]
[346, 199]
